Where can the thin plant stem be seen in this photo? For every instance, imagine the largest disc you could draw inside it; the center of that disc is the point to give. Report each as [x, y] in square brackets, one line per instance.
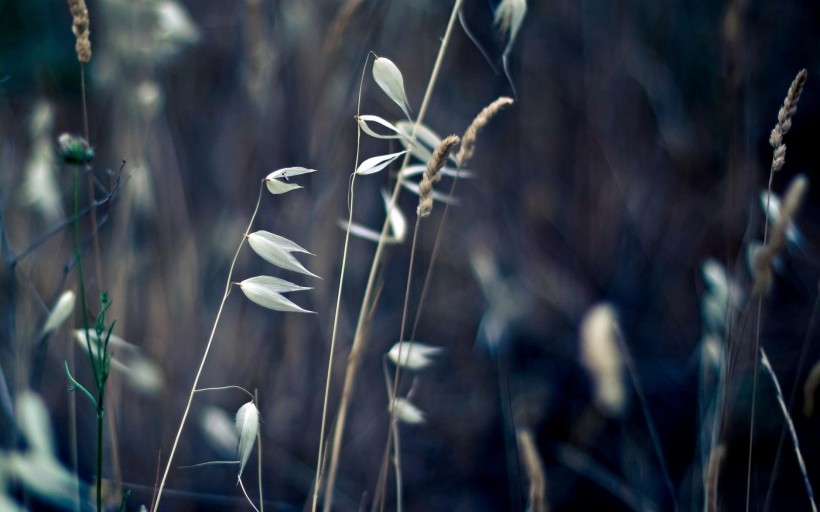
[397, 379]
[798, 371]
[242, 486]
[259, 456]
[757, 359]
[768, 367]
[228, 285]
[359, 335]
[320, 457]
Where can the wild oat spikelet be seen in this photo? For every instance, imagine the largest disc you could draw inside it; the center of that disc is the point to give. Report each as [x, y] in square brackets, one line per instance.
[79, 14]
[468, 140]
[432, 174]
[602, 358]
[777, 242]
[784, 121]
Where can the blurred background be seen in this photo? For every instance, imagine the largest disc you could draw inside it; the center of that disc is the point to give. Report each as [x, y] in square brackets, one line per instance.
[636, 150]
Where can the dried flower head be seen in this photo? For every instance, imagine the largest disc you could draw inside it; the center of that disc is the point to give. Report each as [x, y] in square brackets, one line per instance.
[784, 120]
[469, 138]
[79, 15]
[432, 174]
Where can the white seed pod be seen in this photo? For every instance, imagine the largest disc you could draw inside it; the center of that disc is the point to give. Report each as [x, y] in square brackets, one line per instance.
[408, 413]
[398, 224]
[32, 417]
[61, 311]
[365, 119]
[276, 249]
[247, 426]
[389, 78]
[413, 355]
[219, 430]
[377, 163]
[602, 358]
[267, 292]
[277, 186]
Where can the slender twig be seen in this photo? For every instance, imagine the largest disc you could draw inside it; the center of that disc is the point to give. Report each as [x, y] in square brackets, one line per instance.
[768, 367]
[228, 285]
[259, 457]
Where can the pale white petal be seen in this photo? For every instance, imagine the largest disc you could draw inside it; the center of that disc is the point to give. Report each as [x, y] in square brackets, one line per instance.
[33, 420]
[247, 426]
[413, 355]
[267, 292]
[377, 163]
[389, 78]
[277, 186]
[408, 413]
[270, 248]
[398, 224]
[61, 311]
[365, 233]
[437, 196]
[365, 119]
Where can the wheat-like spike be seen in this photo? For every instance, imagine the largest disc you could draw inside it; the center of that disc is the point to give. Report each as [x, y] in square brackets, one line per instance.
[784, 120]
[433, 174]
[79, 15]
[468, 140]
[535, 471]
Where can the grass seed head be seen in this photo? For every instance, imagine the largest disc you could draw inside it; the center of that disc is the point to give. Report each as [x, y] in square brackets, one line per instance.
[247, 426]
[79, 15]
[481, 120]
[432, 174]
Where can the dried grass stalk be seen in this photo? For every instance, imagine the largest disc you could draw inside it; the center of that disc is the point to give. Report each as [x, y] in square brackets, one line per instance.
[535, 471]
[469, 138]
[784, 121]
[79, 15]
[433, 174]
[716, 459]
[809, 388]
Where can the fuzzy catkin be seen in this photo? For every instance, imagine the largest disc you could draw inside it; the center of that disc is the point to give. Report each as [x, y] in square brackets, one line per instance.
[433, 174]
[481, 120]
[784, 120]
[79, 15]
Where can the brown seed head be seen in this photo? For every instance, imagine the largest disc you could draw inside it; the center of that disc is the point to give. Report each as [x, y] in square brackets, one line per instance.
[79, 15]
[468, 140]
[784, 120]
[433, 174]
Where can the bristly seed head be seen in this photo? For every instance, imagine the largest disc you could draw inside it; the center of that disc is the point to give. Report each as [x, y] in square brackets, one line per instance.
[469, 138]
[79, 15]
[433, 174]
[784, 120]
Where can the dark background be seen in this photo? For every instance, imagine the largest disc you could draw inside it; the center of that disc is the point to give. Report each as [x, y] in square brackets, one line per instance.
[636, 149]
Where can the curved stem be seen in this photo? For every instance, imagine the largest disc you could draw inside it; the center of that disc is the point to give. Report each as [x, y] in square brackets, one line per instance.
[207, 350]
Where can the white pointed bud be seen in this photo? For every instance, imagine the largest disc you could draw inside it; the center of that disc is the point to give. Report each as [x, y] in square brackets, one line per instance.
[276, 249]
[267, 292]
[413, 355]
[61, 311]
[277, 186]
[247, 426]
[377, 163]
[389, 78]
[408, 413]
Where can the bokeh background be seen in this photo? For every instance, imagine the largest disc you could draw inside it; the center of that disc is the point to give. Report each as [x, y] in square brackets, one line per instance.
[636, 149]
